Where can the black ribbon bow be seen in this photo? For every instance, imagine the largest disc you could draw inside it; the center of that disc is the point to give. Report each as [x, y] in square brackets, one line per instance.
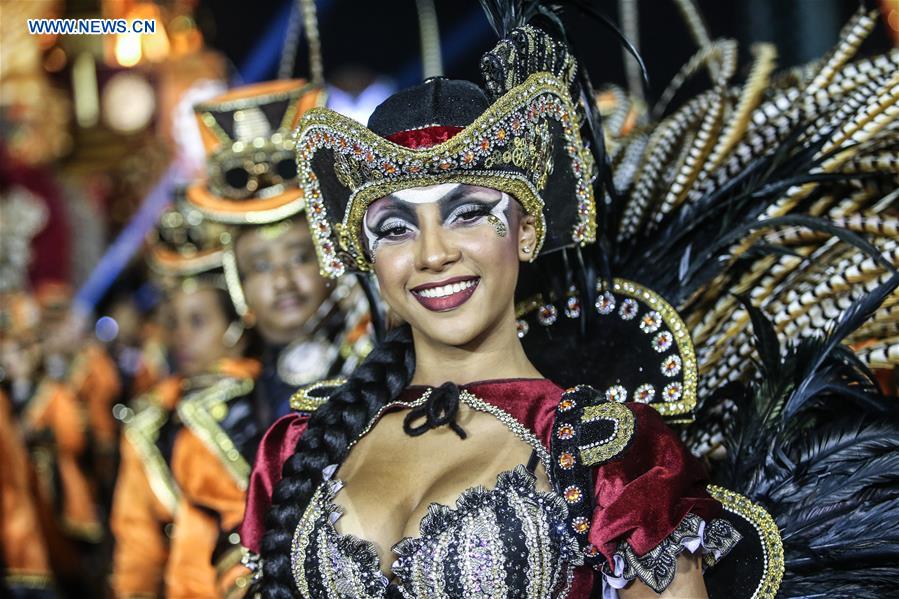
[439, 409]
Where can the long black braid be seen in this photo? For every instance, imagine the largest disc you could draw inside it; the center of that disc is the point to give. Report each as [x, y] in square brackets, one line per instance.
[378, 380]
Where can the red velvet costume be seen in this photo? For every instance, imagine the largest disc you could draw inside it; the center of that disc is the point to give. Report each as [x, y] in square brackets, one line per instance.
[641, 496]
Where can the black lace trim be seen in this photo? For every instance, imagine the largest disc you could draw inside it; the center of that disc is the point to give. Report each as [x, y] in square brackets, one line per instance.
[657, 568]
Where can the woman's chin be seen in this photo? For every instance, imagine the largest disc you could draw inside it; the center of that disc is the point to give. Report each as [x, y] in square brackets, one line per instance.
[459, 330]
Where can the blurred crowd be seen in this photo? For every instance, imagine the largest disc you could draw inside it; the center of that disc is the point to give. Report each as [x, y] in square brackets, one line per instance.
[129, 437]
[152, 324]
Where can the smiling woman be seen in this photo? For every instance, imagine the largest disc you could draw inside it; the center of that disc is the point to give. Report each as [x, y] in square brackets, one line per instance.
[442, 265]
[446, 465]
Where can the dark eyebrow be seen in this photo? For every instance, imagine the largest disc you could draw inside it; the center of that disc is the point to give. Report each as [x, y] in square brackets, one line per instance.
[463, 195]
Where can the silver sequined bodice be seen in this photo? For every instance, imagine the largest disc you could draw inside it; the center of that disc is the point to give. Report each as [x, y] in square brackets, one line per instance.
[510, 541]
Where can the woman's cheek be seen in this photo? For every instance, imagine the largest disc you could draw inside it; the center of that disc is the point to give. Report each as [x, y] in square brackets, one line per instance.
[482, 241]
[392, 268]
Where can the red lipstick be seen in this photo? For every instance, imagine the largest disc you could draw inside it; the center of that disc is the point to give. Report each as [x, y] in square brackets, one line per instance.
[446, 295]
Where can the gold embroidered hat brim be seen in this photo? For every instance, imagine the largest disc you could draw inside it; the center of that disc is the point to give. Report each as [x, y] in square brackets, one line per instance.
[252, 211]
[271, 111]
[527, 143]
[165, 261]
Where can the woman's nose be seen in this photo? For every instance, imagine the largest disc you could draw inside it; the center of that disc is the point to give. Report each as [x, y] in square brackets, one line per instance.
[435, 250]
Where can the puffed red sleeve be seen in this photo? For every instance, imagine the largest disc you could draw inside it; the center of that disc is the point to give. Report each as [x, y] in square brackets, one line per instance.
[278, 444]
[643, 494]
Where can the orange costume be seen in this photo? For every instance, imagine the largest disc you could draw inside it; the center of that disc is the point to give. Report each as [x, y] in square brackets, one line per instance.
[95, 379]
[145, 496]
[211, 464]
[55, 427]
[23, 553]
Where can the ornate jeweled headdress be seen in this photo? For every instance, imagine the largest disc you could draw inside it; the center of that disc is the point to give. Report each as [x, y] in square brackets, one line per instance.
[251, 169]
[251, 174]
[521, 136]
[185, 250]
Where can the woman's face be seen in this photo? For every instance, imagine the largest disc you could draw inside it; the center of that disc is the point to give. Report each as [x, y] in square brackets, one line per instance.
[446, 258]
[280, 278]
[196, 327]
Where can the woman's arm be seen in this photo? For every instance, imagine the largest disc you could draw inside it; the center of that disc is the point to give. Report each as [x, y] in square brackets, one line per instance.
[687, 583]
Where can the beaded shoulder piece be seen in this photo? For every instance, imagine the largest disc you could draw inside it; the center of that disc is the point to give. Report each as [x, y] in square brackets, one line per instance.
[589, 430]
[309, 398]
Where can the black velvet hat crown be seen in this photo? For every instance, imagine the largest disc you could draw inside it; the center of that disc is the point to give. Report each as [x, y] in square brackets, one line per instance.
[522, 138]
[449, 102]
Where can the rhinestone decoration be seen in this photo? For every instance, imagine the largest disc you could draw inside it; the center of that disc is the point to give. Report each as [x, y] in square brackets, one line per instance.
[600, 450]
[461, 551]
[547, 315]
[672, 336]
[672, 391]
[491, 150]
[521, 328]
[768, 532]
[566, 431]
[651, 322]
[573, 307]
[566, 461]
[671, 365]
[644, 393]
[580, 525]
[566, 405]
[662, 342]
[628, 309]
[605, 303]
[573, 494]
[616, 393]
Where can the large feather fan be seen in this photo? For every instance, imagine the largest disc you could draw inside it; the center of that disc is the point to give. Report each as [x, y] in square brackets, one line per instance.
[815, 442]
[781, 189]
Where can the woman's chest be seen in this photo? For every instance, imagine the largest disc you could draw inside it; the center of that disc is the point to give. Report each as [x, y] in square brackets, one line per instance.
[506, 541]
[390, 479]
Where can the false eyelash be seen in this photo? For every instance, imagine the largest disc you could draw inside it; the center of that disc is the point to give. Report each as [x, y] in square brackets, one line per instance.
[388, 225]
[470, 210]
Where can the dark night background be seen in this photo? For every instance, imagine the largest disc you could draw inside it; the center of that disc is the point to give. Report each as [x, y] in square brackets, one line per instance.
[383, 35]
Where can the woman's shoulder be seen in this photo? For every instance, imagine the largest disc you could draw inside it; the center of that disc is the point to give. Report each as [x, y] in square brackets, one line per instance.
[277, 446]
[641, 478]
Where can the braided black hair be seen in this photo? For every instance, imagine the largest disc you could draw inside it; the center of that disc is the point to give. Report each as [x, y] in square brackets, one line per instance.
[378, 380]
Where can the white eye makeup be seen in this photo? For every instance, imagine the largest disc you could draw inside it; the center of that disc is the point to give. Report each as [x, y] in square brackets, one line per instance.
[395, 218]
[396, 222]
[425, 195]
[501, 209]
